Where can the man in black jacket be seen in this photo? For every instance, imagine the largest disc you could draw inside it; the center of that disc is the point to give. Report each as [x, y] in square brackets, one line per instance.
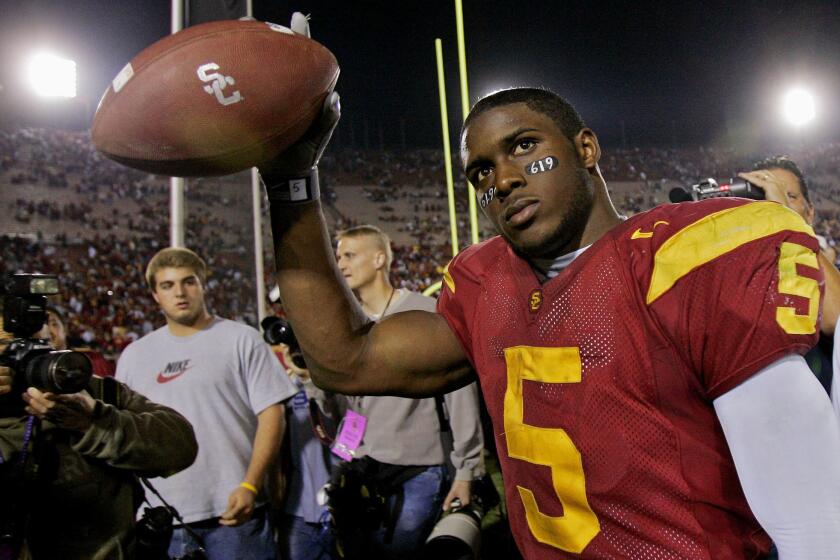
[72, 462]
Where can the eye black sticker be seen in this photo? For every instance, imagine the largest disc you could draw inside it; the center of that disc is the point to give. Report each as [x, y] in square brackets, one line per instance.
[487, 197]
[541, 165]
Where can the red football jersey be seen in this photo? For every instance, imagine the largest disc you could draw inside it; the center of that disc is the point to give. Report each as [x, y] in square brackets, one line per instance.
[600, 381]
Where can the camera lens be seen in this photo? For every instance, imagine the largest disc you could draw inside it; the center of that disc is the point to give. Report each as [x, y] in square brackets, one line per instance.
[274, 330]
[456, 536]
[278, 332]
[63, 371]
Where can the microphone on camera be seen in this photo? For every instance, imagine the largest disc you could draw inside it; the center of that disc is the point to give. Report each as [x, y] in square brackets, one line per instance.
[679, 194]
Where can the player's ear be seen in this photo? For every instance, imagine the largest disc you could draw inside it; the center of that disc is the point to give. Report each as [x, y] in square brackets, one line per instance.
[379, 260]
[588, 148]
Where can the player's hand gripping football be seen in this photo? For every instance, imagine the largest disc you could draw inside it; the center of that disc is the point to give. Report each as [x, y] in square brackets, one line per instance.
[301, 158]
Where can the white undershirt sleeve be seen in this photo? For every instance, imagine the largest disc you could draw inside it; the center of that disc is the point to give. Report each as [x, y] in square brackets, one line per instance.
[785, 441]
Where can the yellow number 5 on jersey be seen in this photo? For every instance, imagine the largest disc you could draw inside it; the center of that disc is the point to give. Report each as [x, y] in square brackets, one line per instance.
[550, 447]
[790, 282]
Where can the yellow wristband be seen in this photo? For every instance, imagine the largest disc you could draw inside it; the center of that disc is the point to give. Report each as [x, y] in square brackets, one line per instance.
[250, 487]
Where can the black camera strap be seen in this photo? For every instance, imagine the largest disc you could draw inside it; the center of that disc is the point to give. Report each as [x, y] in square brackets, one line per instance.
[17, 479]
[28, 431]
[175, 514]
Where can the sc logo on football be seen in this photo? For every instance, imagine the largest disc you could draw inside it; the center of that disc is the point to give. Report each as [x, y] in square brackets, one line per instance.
[219, 82]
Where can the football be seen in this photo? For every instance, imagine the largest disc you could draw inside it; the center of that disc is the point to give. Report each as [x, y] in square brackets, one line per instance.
[214, 99]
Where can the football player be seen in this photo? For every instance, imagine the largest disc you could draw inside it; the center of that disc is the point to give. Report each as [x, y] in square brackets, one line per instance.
[644, 377]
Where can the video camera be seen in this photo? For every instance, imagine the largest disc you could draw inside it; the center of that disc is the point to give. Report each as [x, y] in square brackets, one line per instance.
[279, 331]
[33, 361]
[710, 188]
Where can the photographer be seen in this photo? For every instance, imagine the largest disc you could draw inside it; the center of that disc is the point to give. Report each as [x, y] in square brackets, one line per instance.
[303, 523]
[55, 330]
[783, 182]
[68, 469]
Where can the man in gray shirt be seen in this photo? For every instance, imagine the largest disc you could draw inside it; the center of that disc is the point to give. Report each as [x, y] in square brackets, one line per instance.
[224, 379]
[402, 431]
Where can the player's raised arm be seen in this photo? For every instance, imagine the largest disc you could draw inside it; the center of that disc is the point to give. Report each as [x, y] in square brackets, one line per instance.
[413, 353]
[409, 354]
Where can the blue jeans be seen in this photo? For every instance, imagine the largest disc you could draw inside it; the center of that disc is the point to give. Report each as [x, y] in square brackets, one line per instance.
[253, 540]
[422, 500]
[299, 540]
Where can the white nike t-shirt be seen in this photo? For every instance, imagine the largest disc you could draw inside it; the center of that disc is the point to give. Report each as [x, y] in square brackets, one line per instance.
[219, 379]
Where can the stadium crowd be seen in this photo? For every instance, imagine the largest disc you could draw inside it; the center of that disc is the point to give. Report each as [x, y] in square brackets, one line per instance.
[71, 212]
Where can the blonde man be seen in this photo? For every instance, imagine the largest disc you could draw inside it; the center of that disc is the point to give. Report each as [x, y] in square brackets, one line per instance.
[402, 431]
[225, 380]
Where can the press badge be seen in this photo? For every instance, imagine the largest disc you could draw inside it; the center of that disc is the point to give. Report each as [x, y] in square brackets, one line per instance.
[351, 431]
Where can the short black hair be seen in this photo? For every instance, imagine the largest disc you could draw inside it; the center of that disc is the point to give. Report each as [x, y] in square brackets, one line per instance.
[784, 162]
[541, 100]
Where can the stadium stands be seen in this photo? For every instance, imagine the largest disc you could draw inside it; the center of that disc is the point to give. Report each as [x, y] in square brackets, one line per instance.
[67, 210]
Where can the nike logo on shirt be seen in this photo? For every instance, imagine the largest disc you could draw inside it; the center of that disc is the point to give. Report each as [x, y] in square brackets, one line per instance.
[173, 370]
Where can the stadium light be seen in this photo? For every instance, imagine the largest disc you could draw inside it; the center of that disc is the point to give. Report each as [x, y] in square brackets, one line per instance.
[52, 76]
[798, 107]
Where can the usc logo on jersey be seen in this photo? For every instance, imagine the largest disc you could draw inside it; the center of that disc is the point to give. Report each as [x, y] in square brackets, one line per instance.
[535, 301]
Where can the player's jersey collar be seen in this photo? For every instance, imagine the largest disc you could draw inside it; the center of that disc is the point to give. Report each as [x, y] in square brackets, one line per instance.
[547, 269]
[529, 279]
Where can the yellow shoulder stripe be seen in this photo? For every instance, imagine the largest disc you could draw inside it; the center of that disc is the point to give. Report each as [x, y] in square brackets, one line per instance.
[450, 283]
[716, 235]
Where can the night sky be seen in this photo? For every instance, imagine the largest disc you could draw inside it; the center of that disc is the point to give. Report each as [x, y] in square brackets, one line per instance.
[640, 73]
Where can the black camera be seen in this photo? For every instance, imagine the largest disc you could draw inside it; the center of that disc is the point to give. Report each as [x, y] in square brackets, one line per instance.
[34, 362]
[154, 531]
[710, 188]
[279, 331]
